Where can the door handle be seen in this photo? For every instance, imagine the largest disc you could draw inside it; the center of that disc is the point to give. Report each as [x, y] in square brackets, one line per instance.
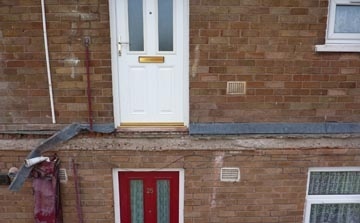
[120, 47]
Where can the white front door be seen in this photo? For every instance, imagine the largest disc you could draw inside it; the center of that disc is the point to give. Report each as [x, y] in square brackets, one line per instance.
[150, 62]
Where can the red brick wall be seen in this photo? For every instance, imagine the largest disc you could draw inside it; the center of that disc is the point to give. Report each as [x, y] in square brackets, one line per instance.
[272, 186]
[268, 44]
[23, 79]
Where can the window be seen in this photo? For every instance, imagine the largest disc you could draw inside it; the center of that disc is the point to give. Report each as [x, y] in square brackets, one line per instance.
[343, 26]
[165, 25]
[136, 25]
[333, 195]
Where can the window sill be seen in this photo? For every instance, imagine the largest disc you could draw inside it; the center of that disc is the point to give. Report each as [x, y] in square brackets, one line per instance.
[337, 48]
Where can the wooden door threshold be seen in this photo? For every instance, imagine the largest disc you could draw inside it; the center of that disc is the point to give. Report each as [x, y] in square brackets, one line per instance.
[153, 127]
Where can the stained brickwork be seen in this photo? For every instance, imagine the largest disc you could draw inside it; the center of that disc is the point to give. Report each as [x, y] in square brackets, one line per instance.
[268, 44]
[23, 80]
[272, 186]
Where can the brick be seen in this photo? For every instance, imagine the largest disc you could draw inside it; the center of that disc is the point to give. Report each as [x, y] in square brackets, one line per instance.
[267, 43]
[347, 85]
[299, 11]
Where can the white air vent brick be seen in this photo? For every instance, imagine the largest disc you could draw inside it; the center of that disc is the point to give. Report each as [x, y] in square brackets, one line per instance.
[230, 174]
[63, 175]
[236, 87]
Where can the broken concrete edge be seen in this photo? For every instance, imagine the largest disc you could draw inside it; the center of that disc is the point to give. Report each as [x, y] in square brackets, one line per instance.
[63, 135]
[43, 130]
[117, 142]
[194, 142]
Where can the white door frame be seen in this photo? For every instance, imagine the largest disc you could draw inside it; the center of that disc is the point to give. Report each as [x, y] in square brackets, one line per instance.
[116, 189]
[113, 11]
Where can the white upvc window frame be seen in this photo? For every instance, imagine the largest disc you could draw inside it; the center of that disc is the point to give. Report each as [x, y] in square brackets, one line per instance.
[339, 42]
[327, 199]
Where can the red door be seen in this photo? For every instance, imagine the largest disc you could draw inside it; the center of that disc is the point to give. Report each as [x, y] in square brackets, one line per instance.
[149, 197]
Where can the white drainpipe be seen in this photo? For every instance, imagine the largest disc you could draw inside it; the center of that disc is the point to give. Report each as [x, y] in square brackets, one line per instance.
[48, 63]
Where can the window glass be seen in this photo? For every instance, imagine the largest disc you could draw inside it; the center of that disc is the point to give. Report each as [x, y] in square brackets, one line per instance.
[335, 213]
[163, 201]
[136, 25]
[331, 183]
[333, 195]
[137, 201]
[165, 25]
[347, 19]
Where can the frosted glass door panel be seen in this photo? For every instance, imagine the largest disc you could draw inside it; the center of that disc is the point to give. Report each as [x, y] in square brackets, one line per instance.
[136, 25]
[163, 201]
[137, 201]
[165, 25]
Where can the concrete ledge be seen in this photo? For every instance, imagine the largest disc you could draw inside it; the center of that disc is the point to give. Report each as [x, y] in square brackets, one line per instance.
[338, 48]
[193, 143]
[273, 128]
